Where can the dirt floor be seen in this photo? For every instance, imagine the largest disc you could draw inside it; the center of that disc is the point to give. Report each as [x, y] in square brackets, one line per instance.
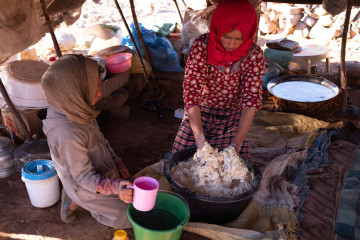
[141, 140]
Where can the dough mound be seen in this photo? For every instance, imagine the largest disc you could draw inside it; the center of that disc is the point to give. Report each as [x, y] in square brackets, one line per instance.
[213, 173]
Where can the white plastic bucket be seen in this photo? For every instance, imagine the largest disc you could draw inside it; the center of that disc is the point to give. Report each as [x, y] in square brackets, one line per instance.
[42, 183]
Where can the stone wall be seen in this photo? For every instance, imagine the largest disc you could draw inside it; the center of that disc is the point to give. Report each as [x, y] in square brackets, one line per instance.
[306, 21]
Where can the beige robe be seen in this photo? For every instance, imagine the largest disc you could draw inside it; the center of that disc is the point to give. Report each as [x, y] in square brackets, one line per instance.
[81, 155]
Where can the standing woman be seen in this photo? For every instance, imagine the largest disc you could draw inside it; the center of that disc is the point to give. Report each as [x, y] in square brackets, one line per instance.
[222, 82]
[87, 166]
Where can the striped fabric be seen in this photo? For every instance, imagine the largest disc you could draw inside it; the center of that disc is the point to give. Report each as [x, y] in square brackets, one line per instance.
[348, 214]
[219, 127]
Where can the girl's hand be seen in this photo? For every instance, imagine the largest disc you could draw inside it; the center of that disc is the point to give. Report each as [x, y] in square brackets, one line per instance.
[125, 194]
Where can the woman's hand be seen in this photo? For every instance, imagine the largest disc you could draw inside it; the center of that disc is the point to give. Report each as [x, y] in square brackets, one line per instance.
[125, 194]
[200, 141]
[236, 147]
[194, 115]
[247, 116]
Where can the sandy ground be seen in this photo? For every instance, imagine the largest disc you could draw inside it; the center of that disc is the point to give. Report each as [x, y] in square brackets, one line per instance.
[141, 140]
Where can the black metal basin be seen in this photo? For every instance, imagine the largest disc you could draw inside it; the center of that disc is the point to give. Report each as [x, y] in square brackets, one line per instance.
[205, 208]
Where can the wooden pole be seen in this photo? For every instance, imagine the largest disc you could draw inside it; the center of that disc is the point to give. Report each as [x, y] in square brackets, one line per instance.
[343, 78]
[8, 101]
[177, 7]
[48, 23]
[147, 56]
[133, 40]
[184, 3]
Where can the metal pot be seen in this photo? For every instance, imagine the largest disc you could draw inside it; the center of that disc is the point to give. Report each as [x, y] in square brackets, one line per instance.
[7, 160]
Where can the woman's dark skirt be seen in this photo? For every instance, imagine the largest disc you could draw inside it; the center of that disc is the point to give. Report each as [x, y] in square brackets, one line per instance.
[219, 125]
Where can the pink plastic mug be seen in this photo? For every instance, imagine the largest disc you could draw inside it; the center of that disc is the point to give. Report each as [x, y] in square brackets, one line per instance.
[145, 192]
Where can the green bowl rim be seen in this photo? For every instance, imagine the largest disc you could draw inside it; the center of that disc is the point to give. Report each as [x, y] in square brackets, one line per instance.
[181, 225]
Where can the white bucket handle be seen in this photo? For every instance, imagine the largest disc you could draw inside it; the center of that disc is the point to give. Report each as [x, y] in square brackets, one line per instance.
[39, 168]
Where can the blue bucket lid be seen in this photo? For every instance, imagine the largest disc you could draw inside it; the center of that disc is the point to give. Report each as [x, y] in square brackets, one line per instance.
[38, 170]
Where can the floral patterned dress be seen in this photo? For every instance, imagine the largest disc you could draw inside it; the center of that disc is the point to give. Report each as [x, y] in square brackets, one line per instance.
[221, 92]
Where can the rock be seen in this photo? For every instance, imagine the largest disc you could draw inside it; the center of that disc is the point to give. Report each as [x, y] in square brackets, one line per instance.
[335, 33]
[282, 21]
[296, 10]
[309, 21]
[281, 18]
[356, 26]
[281, 8]
[266, 26]
[313, 15]
[294, 19]
[270, 28]
[356, 40]
[301, 30]
[338, 26]
[319, 32]
[289, 31]
[274, 16]
[352, 33]
[339, 21]
[326, 21]
[319, 10]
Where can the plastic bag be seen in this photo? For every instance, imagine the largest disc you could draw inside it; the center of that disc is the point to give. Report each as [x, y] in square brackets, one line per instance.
[163, 57]
[193, 27]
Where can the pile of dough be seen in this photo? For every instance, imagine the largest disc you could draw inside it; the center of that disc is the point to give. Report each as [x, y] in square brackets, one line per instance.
[213, 173]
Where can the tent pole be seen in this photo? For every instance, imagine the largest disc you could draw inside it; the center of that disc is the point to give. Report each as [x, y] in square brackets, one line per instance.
[177, 7]
[136, 23]
[48, 23]
[133, 40]
[343, 78]
[8, 101]
[147, 57]
[184, 3]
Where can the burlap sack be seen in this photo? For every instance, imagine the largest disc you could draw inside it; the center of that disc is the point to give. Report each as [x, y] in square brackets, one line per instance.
[334, 7]
[20, 26]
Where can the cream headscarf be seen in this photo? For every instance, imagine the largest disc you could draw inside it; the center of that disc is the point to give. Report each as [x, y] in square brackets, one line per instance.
[70, 85]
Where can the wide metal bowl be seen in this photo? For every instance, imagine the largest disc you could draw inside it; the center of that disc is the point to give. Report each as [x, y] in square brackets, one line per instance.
[305, 94]
[303, 88]
[205, 208]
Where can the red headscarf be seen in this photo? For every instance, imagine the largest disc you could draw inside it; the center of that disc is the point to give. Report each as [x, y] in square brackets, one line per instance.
[229, 15]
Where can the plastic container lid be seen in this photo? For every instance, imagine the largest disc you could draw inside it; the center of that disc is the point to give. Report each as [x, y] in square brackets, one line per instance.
[22, 80]
[38, 170]
[120, 235]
